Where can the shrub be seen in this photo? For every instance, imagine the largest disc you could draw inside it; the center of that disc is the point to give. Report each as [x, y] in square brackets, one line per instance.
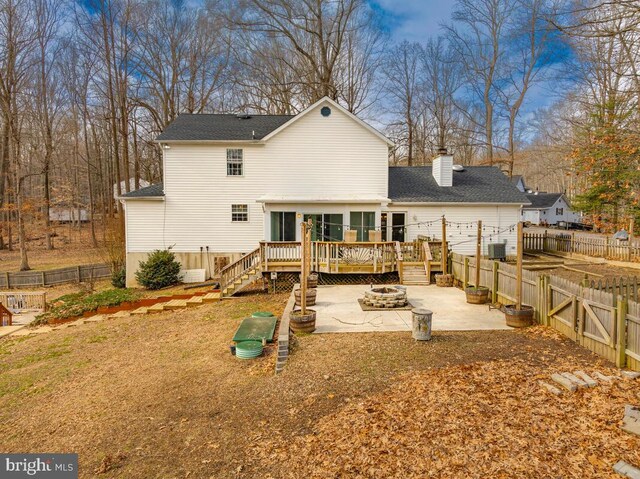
[161, 269]
[119, 278]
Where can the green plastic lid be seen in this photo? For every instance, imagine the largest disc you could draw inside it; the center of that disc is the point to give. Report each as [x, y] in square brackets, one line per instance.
[249, 346]
[262, 314]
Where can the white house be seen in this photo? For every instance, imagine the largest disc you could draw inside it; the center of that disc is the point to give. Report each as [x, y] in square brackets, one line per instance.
[549, 209]
[232, 181]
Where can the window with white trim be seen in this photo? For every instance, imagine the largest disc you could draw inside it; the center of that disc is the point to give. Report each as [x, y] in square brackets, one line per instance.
[239, 213]
[234, 161]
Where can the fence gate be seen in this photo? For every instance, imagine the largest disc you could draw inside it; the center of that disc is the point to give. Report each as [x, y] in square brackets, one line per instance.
[597, 327]
[562, 311]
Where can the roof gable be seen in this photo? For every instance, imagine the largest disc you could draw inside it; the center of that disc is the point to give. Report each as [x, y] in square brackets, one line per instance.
[323, 102]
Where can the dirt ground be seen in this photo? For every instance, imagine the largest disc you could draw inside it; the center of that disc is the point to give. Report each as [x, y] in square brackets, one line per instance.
[161, 396]
[72, 246]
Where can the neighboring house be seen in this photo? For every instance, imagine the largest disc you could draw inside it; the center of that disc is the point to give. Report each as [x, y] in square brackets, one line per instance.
[518, 182]
[132, 186]
[549, 209]
[62, 214]
[232, 181]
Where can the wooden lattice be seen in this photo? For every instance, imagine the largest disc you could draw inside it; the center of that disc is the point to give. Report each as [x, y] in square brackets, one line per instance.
[285, 281]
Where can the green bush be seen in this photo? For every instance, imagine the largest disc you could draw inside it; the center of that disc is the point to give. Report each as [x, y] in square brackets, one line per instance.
[75, 304]
[160, 270]
[119, 278]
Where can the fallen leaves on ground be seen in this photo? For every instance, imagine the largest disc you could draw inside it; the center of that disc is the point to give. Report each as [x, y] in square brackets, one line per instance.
[484, 420]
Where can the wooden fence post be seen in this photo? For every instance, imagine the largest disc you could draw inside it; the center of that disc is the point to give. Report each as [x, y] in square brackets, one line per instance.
[42, 276]
[631, 227]
[465, 273]
[6, 280]
[621, 332]
[78, 274]
[495, 282]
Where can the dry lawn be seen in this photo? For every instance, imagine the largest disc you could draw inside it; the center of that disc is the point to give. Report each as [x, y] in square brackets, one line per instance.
[72, 246]
[161, 397]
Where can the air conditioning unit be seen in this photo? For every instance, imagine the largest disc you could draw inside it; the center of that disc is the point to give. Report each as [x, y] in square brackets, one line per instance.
[498, 251]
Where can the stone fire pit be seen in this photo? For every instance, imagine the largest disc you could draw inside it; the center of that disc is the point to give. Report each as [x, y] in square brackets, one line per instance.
[385, 297]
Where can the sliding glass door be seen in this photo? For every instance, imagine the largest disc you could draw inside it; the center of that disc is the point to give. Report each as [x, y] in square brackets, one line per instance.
[326, 226]
[283, 226]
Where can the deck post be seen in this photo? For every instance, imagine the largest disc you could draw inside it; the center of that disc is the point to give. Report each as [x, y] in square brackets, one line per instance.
[303, 268]
[443, 254]
[519, 269]
[478, 253]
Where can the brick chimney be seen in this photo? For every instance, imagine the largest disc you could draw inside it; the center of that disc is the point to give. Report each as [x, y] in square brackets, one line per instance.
[442, 169]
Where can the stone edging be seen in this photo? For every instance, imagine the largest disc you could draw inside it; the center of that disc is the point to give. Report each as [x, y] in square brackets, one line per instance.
[283, 333]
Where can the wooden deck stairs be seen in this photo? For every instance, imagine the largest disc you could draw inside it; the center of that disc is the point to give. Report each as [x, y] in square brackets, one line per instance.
[414, 274]
[242, 273]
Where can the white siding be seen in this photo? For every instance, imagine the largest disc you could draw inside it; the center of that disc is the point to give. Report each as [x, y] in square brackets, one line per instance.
[462, 238]
[549, 214]
[315, 157]
[144, 226]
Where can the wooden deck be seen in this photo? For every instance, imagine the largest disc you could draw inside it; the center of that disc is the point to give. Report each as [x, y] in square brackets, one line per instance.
[346, 258]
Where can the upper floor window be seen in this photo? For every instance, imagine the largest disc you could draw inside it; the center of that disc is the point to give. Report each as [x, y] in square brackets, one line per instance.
[234, 162]
[239, 213]
[559, 211]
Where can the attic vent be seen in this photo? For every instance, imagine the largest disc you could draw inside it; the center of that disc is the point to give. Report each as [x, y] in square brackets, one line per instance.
[458, 168]
[243, 116]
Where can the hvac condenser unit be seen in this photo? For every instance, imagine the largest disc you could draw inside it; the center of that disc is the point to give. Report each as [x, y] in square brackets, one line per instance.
[498, 251]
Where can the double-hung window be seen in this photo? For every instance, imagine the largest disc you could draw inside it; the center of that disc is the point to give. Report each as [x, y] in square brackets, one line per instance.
[239, 213]
[234, 162]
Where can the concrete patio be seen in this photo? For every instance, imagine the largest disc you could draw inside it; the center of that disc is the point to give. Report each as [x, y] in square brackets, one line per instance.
[338, 311]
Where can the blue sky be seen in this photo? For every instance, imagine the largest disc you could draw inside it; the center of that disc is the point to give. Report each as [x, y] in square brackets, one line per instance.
[414, 20]
[417, 20]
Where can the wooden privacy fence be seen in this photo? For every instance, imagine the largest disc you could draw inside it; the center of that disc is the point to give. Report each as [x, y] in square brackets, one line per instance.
[598, 247]
[73, 274]
[606, 323]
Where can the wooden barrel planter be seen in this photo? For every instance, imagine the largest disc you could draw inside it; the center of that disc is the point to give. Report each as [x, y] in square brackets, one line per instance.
[477, 295]
[302, 323]
[312, 280]
[311, 296]
[444, 280]
[518, 318]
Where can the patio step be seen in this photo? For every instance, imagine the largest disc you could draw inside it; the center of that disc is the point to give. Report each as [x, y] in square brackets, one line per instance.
[156, 308]
[211, 297]
[195, 301]
[120, 314]
[176, 304]
[142, 310]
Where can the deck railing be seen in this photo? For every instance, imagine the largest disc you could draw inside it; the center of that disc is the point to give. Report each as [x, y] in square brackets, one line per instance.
[330, 257]
[24, 301]
[234, 271]
[599, 247]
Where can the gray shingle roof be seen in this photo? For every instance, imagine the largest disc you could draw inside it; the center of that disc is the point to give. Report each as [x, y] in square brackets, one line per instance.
[146, 192]
[476, 184]
[543, 200]
[212, 127]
